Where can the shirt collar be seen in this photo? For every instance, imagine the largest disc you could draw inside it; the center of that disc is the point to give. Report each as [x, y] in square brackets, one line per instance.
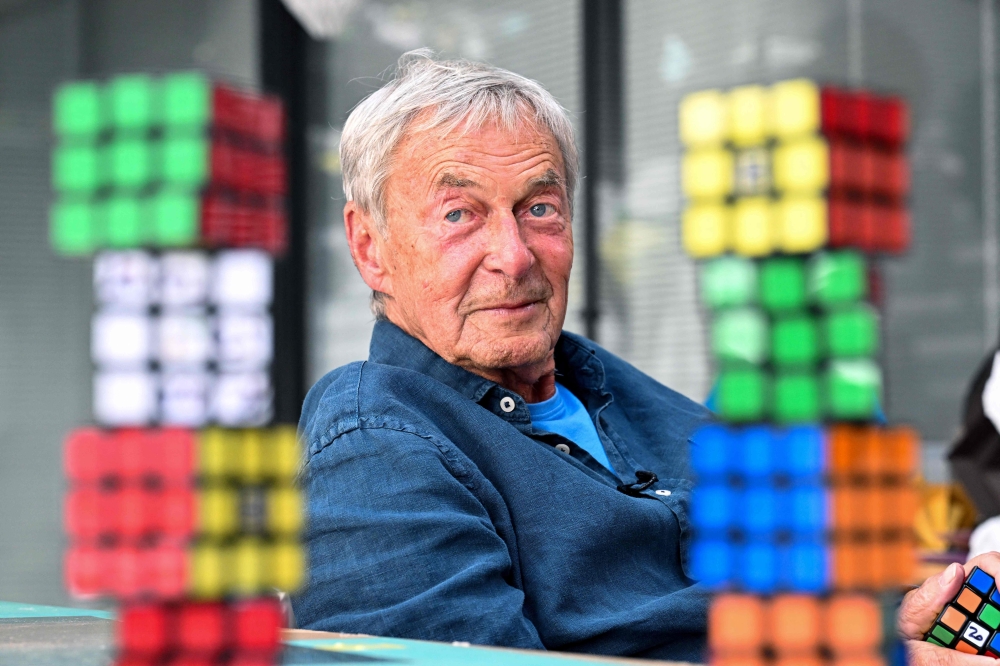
[577, 365]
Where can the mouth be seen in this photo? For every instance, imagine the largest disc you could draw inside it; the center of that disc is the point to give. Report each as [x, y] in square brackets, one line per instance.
[515, 308]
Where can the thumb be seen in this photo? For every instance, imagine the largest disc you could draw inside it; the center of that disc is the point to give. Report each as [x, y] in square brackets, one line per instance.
[922, 606]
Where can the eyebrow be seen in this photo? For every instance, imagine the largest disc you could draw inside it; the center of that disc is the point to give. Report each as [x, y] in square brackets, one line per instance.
[451, 180]
[548, 179]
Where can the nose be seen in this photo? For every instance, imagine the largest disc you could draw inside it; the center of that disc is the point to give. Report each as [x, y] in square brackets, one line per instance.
[508, 252]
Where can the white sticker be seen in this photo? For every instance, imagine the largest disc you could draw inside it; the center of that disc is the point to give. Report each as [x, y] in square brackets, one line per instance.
[975, 634]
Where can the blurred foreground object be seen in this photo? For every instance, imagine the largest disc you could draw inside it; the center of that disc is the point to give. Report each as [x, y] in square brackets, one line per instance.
[176, 161]
[803, 528]
[183, 338]
[181, 183]
[192, 532]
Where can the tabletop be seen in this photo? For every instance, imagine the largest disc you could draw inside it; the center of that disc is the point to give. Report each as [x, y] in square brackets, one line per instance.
[33, 635]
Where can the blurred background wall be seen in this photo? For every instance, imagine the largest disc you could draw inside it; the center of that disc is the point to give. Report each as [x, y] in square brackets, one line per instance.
[928, 50]
[45, 301]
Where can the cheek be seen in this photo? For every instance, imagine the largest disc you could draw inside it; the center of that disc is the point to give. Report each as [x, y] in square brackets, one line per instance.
[445, 271]
[555, 256]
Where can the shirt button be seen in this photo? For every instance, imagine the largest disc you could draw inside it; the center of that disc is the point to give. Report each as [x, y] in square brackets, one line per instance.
[507, 404]
[562, 448]
[663, 493]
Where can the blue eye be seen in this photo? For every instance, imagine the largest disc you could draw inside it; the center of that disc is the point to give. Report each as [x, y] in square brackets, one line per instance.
[539, 210]
[454, 216]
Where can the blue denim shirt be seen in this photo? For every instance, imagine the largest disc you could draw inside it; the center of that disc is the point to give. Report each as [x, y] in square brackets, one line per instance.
[435, 514]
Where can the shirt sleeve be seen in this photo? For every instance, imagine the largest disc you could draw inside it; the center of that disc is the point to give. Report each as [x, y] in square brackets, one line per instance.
[398, 546]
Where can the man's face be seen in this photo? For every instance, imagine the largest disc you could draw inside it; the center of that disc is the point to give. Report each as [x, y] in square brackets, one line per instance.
[479, 244]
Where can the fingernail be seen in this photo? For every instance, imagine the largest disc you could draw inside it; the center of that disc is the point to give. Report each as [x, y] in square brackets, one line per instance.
[949, 574]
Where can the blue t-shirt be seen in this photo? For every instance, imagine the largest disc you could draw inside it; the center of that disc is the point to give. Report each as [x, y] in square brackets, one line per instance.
[565, 415]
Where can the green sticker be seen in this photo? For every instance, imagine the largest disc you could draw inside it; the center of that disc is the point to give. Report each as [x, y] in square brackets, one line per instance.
[795, 341]
[990, 616]
[728, 281]
[78, 109]
[943, 635]
[742, 395]
[740, 335]
[852, 331]
[931, 639]
[72, 228]
[783, 284]
[797, 398]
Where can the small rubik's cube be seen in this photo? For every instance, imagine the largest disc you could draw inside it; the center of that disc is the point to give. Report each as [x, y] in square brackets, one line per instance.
[171, 162]
[970, 623]
[745, 630]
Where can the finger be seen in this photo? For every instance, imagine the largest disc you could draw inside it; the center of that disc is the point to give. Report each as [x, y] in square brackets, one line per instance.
[988, 562]
[921, 653]
[922, 606]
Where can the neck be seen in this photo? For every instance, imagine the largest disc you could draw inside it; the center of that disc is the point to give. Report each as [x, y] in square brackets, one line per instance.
[533, 383]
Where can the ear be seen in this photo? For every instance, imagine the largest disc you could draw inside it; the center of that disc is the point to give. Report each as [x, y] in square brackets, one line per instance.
[365, 242]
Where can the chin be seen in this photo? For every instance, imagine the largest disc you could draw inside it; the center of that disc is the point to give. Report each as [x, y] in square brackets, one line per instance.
[513, 351]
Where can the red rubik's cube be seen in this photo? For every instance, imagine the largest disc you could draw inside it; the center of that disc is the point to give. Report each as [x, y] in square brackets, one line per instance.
[188, 529]
[244, 633]
[869, 172]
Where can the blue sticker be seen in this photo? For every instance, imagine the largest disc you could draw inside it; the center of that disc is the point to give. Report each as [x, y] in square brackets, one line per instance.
[805, 567]
[981, 580]
[712, 508]
[711, 455]
[711, 563]
[758, 459]
[995, 597]
[805, 452]
[759, 510]
[995, 643]
[759, 568]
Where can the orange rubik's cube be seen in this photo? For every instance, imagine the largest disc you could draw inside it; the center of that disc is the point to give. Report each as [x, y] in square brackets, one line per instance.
[799, 629]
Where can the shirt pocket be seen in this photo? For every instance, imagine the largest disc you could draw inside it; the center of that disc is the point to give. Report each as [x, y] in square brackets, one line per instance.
[679, 502]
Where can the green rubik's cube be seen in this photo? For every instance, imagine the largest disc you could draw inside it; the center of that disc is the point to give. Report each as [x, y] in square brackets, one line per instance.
[792, 338]
[134, 156]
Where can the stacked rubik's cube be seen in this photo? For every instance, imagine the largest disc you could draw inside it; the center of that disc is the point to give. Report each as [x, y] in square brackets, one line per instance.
[175, 161]
[803, 510]
[182, 338]
[179, 184]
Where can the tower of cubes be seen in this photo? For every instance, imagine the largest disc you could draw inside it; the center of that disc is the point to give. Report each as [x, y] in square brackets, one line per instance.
[182, 502]
[803, 509]
[166, 162]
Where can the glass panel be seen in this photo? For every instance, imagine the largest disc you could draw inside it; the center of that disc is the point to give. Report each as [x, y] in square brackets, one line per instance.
[925, 50]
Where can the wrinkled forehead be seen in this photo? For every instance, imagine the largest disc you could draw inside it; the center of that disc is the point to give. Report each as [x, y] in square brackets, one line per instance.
[429, 139]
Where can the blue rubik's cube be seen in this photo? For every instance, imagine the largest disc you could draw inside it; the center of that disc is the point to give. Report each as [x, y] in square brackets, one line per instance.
[760, 509]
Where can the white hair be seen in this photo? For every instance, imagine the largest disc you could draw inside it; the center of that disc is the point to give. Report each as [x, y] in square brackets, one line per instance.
[453, 93]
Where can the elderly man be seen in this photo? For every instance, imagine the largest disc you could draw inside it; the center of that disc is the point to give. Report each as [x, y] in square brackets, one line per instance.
[486, 476]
